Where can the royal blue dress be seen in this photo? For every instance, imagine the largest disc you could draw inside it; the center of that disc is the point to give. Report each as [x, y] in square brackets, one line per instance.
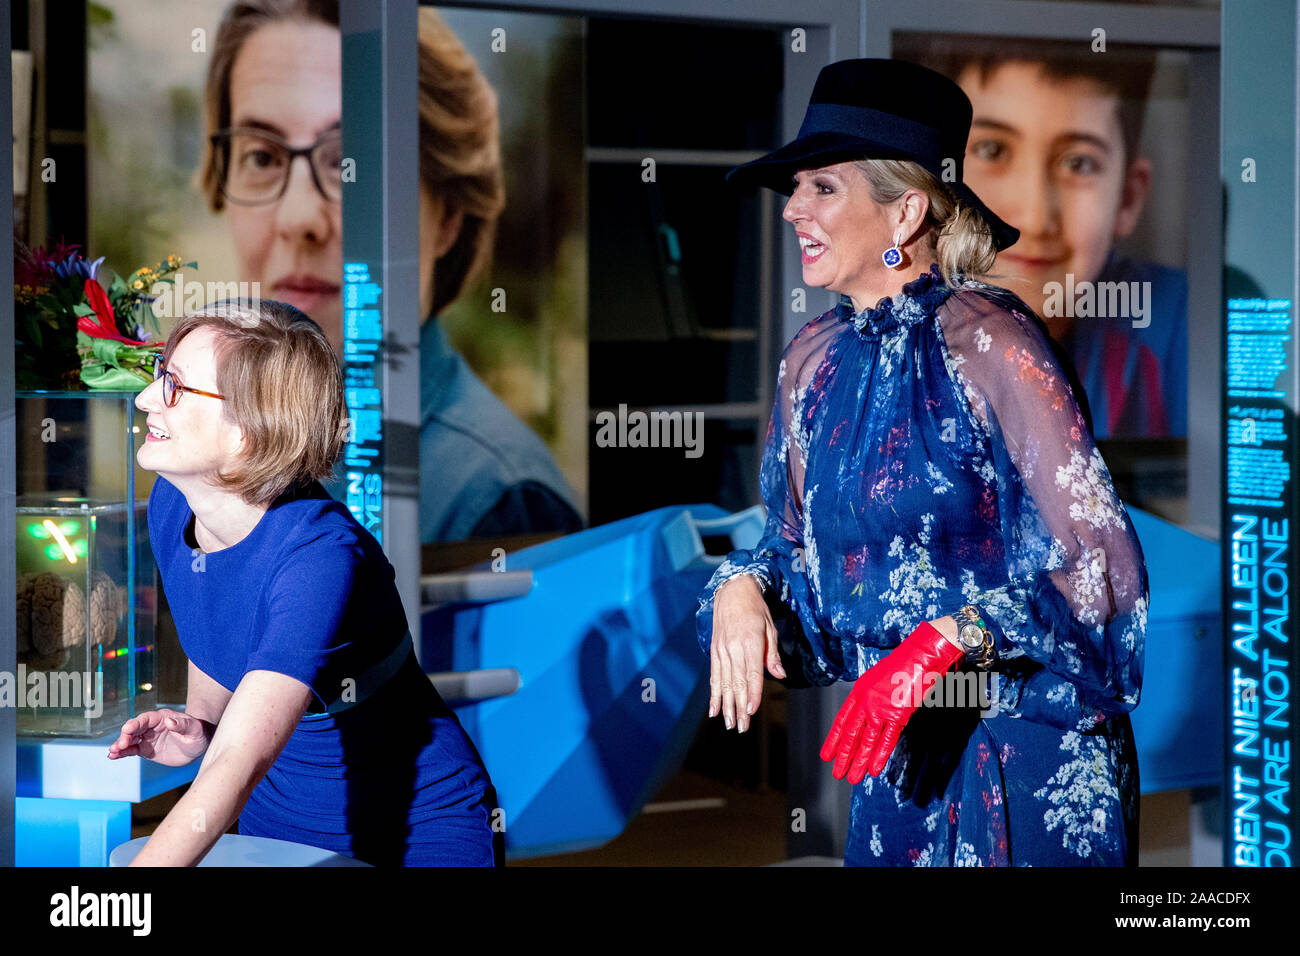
[388, 776]
[923, 455]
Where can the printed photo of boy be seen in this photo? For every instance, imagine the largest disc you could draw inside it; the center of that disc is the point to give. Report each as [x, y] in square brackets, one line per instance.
[1054, 151]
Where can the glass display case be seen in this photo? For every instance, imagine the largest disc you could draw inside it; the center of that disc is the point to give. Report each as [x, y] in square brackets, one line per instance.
[87, 582]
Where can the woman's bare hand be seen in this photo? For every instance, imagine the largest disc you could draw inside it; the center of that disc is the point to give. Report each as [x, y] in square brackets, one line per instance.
[744, 641]
[164, 736]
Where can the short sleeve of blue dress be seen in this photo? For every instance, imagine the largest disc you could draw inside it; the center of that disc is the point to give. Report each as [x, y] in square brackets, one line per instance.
[927, 454]
[310, 594]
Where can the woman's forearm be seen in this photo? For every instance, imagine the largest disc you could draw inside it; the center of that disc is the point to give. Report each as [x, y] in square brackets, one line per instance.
[209, 728]
[213, 802]
[250, 732]
[947, 626]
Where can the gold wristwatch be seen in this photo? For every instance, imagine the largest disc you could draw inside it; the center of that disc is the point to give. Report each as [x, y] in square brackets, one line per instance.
[975, 637]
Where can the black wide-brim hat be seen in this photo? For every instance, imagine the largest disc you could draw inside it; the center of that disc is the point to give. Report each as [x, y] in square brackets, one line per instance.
[879, 109]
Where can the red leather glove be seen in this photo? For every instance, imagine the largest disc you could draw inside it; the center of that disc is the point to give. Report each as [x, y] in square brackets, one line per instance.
[882, 701]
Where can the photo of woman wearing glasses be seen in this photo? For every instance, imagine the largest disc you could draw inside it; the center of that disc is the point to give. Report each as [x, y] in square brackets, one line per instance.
[274, 95]
[275, 81]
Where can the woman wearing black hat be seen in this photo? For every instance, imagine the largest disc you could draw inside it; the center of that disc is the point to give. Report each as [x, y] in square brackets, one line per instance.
[934, 499]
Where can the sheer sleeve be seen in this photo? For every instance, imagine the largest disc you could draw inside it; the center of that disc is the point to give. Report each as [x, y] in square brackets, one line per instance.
[1070, 619]
[781, 559]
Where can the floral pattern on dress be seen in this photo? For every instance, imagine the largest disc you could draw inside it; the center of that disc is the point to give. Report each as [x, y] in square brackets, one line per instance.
[926, 454]
[1084, 794]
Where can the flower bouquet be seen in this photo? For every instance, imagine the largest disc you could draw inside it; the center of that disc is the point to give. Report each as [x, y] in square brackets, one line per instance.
[72, 333]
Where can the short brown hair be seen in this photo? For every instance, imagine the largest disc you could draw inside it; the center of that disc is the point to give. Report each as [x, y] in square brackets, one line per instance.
[460, 144]
[283, 385]
[1124, 71]
[460, 152]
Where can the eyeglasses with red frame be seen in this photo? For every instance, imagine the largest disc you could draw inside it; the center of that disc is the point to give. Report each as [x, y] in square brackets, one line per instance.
[172, 388]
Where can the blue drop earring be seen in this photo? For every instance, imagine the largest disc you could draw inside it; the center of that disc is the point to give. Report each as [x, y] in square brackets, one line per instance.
[893, 256]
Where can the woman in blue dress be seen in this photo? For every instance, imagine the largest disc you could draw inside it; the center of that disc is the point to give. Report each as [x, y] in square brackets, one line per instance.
[312, 716]
[934, 498]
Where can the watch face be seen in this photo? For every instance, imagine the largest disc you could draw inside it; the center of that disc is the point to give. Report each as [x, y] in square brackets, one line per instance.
[971, 635]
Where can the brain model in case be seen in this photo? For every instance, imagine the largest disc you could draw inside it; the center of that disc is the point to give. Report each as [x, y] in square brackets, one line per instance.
[52, 616]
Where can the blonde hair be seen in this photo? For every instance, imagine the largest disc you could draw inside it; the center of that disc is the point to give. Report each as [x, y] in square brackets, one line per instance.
[962, 240]
[283, 385]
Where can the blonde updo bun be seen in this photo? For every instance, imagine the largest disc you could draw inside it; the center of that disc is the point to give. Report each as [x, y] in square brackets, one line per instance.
[962, 241]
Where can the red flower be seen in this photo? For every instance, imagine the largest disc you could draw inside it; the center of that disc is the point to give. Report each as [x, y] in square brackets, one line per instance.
[106, 327]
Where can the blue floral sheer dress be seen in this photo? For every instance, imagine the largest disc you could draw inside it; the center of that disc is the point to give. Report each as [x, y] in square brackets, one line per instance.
[923, 455]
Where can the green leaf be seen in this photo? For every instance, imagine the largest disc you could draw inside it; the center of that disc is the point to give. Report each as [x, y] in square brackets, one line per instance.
[130, 356]
[82, 309]
[105, 350]
[95, 375]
